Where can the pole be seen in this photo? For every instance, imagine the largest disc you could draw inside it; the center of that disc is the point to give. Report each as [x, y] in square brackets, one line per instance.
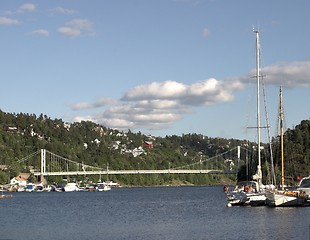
[258, 75]
[282, 138]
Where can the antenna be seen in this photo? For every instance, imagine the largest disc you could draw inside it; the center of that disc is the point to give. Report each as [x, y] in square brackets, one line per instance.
[256, 30]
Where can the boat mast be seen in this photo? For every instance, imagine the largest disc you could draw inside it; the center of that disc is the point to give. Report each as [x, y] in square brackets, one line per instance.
[258, 75]
[282, 138]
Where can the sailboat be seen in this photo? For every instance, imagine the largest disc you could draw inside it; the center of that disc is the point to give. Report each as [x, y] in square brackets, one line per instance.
[285, 197]
[252, 192]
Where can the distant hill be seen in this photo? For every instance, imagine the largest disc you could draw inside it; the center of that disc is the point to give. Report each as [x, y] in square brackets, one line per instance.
[23, 134]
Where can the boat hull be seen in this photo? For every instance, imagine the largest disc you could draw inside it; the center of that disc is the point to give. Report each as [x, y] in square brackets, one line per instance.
[71, 187]
[246, 199]
[285, 199]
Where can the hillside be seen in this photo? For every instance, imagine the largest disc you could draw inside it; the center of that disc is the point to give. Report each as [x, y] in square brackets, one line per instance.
[95, 145]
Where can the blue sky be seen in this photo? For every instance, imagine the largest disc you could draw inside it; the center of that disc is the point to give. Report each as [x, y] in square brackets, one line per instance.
[161, 67]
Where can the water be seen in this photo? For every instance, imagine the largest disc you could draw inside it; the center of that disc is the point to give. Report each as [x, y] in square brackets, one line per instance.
[145, 213]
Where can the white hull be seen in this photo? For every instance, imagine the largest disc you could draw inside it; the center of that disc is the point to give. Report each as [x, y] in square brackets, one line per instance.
[256, 199]
[246, 193]
[71, 187]
[244, 199]
[285, 199]
[102, 187]
[106, 188]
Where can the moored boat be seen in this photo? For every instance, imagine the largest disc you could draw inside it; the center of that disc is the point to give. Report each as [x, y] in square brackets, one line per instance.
[286, 197]
[247, 193]
[30, 187]
[71, 187]
[304, 185]
[102, 187]
[252, 192]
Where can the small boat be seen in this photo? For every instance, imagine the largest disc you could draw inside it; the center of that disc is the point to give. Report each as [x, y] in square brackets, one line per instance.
[56, 188]
[304, 185]
[287, 197]
[71, 187]
[102, 187]
[39, 187]
[111, 184]
[30, 187]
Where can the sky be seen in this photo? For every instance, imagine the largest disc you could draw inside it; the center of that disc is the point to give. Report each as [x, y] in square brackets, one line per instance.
[164, 67]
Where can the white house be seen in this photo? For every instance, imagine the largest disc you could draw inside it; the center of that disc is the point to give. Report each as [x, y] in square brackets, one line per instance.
[20, 181]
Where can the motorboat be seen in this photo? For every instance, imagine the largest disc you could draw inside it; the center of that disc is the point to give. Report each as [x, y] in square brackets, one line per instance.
[39, 187]
[30, 187]
[102, 187]
[71, 187]
[111, 184]
[304, 185]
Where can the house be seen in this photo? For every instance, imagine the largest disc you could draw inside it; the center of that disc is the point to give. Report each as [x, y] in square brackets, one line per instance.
[20, 181]
[11, 129]
[148, 144]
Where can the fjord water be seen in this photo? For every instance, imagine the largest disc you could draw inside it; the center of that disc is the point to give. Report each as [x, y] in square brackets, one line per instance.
[145, 213]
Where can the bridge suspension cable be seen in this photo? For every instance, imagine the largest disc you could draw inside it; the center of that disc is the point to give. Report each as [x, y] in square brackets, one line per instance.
[206, 160]
[53, 164]
[28, 157]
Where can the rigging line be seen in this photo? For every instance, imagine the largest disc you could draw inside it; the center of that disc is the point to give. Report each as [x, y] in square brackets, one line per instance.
[267, 122]
[268, 133]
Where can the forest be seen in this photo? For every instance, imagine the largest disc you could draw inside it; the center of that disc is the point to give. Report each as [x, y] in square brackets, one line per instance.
[95, 145]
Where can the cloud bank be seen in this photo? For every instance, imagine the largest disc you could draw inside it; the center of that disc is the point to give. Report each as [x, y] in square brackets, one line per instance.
[8, 21]
[289, 74]
[158, 105]
[77, 27]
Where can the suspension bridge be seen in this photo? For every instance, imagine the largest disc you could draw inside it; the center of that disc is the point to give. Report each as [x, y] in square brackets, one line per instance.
[45, 163]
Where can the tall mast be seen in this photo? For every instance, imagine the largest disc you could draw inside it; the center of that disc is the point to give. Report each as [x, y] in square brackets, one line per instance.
[258, 75]
[282, 138]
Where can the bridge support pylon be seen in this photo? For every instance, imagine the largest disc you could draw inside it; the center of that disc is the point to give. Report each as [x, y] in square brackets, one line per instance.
[43, 165]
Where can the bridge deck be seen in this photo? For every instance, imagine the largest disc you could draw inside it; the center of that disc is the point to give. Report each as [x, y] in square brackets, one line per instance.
[124, 172]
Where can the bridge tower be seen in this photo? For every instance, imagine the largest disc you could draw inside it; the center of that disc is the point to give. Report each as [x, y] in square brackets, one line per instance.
[43, 164]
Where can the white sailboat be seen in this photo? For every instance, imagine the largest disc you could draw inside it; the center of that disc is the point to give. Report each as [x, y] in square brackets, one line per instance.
[285, 197]
[252, 192]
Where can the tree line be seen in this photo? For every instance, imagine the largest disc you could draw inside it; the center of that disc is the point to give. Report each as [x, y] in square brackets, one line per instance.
[95, 145]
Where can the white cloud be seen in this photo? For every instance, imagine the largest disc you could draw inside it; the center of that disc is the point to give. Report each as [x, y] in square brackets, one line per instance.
[8, 21]
[289, 74]
[41, 32]
[205, 92]
[77, 26]
[28, 7]
[292, 74]
[166, 90]
[68, 31]
[127, 116]
[98, 103]
[159, 105]
[61, 10]
[82, 24]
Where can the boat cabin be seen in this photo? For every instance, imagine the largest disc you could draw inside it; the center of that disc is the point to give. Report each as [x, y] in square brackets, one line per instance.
[247, 186]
